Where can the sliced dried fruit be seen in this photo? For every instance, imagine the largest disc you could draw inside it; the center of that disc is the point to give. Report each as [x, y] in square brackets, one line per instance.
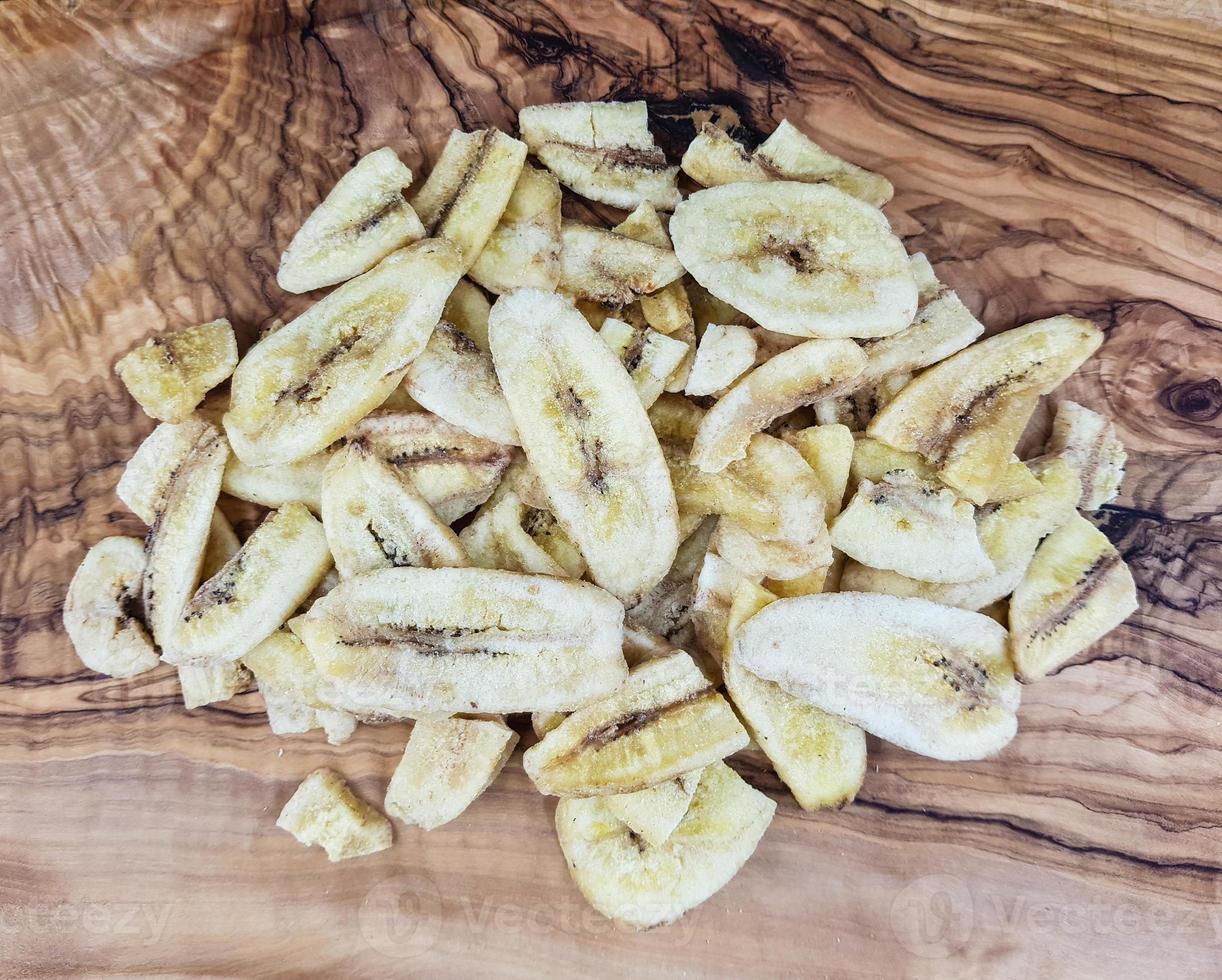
[403, 642]
[374, 517]
[468, 309]
[210, 682]
[362, 220]
[649, 357]
[872, 460]
[324, 811]
[782, 558]
[602, 151]
[301, 388]
[542, 722]
[858, 407]
[172, 372]
[1076, 589]
[930, 678]
[588, 440]
[654, 813]
[664, 720]
[102, 614]
[666, 608]
[469, 188]
[965, 415]
[913, 527]
[612, 269]
[289, 682]
[279, 484]
[498, 539]
[726, 351]
[1088, 441]
[524, 248]
[631, 881]
[802, 259]
[447, 765]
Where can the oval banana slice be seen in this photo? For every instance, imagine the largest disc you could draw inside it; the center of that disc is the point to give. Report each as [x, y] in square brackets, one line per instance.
[524, 248]
[642, 885]
[302, 387]
[802, 259]
[929, 678]
[588, 440]
[405, 642]
[102, 610]
[609, 268]
[362, 220]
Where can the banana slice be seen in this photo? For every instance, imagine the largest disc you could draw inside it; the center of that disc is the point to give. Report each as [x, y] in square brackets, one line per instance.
[172, 372]
[409, 641]
[930, 678]
[210, 682]
[912, 527]
[374, 518]
[612, 269]
[324, 811]
[588, 440]
[965, 415]
[447, 765]
[654, 813]
[362, 220]
[642, 886]
[254, 592]
[1009, 533]
[859, 407]
[468, 309]
[1088, 441]
[524, 248]
[666, 608]
[547, 533]
[542, 722]
[602, 151]
[453, 470]
[820, 757]
[714, 158]
[801, 259]
[649, 357]
[828, 450]
[289, 682]
[279, 484]
[726, 351]
[298, 390]
[664, 720]
[784, 558]
[802, 375]
[498, 539]
[712, 596]
[873, 460]
[102, 614]
[1076, 589]
[469, 188]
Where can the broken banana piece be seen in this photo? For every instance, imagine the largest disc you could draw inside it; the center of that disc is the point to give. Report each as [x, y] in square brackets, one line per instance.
[654, 813]
[289, 681]
[725, 353]
[609, 268]
[1088, 442]
[649, 357]
[172, 372]
[524, 248]
[324, 811]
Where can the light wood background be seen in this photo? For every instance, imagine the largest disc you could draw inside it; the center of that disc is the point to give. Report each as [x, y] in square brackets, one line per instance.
[155, 158]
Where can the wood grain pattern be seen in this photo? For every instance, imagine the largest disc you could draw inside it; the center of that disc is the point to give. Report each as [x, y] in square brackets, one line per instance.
[154, 160]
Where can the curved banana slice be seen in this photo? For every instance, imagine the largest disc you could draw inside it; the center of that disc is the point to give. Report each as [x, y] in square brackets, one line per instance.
[633, 882]
[664, 720]
[654, 813]
[255, 591]
[453, 470]
[409, 641]
[362, 220]
[820, 757]
[324, 811]
[802, 259]
[872, 460]
[602, 151]
[148, 475]
[726, 352]
[802, 375]
[374, 518]
[1076, 589]
[609, 268]
[965, 415]
[1009, 533]
[497, 539]
[455, 380]
[588, 440]
[279, 484]
[447, 765]
[289, 682]
[524, 248]
[172, 372]
[912, 527]
[1088, 441]
[301, 388]
[102, 614]
[649, 357]
[929, 678]
[469, 188]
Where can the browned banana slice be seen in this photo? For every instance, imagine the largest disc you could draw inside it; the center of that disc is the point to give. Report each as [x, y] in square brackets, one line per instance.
[172, 372]
[1088, 441]
[404, 642]
[605, 267]
[301, 388]
[524, 248]
[664, 720]
[588, 440]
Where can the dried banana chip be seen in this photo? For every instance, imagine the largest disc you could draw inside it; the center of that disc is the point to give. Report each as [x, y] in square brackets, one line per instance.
[468, 309]
[1088, 442]
[324, 811]
[362, 220]
[612, 269]
[172, 372]
[654, 813]
[291, 687]
[524, 248]
[872, 460]
[542, 722]
[298, 390]
[666, 608]
[649, 357]
[497, 538]
[725, 352]
[210, 682]
[279, 484]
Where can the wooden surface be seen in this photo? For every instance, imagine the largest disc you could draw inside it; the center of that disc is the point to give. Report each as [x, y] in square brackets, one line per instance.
[154, 161]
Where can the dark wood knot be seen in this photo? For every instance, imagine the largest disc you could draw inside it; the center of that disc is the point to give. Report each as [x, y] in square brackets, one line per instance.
[1196, 401]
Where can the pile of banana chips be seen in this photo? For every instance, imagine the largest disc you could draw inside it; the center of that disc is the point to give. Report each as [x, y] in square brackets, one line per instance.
[736, 472]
